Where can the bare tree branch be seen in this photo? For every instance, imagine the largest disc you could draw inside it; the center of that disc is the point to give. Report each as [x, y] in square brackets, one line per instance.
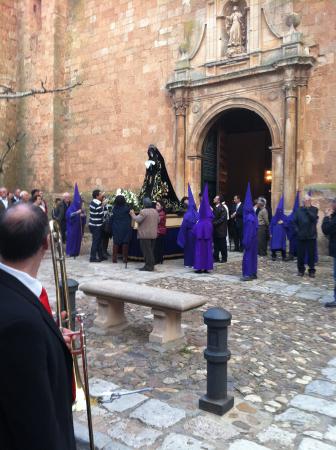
[8, 93]
[10, 144]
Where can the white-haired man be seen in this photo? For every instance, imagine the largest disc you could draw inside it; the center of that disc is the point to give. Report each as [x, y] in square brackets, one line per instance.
[305, 221]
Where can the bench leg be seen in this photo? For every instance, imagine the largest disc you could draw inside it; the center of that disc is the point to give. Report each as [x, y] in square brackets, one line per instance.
[167, 326]
[109, 314]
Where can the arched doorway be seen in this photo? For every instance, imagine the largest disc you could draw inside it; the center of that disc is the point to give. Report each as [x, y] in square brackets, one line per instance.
[236, 150]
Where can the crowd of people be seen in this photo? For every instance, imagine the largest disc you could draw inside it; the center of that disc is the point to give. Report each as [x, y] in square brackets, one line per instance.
[206, 233]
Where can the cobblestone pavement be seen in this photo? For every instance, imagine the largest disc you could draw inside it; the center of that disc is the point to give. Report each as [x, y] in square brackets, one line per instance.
[282, 371]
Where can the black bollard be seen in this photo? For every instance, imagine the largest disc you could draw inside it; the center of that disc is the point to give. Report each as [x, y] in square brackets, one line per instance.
[73, 288]
[217, 355]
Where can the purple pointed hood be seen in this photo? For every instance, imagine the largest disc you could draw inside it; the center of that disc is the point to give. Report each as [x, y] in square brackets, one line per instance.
[203, 228]
[295, 206]
[205, 211]
[248, 203]
[279, 213]
[191, 214]
[76, 202]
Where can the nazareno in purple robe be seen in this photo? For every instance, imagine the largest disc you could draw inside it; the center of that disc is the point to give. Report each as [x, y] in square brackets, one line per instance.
[250, 237]
[203, 234]
[75, 225]
[278, 227]
[185, 237]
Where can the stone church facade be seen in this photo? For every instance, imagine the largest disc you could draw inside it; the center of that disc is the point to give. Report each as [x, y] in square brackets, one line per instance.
[227, 89]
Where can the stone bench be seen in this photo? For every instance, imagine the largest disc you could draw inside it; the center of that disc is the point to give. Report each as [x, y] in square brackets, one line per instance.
[167, 306]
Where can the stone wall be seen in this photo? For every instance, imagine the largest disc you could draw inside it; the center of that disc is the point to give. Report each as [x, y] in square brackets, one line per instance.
[8, 64]
[317, 146]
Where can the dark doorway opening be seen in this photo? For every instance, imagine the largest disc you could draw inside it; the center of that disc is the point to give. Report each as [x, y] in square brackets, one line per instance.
[235, 151]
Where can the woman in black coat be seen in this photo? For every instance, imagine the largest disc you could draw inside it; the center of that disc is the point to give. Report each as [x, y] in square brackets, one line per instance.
[121, 229]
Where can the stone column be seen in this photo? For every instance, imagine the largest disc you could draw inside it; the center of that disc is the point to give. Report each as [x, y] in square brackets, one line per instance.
[290, 90]
[277, 175]
[180, 142]
[194, 174]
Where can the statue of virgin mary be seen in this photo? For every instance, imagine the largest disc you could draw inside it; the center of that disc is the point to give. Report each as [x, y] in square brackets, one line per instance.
[157, 185]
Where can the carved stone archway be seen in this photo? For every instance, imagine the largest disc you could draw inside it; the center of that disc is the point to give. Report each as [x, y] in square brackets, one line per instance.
[203, 125]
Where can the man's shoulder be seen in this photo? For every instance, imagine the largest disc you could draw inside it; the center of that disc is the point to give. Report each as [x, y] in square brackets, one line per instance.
[16, 300]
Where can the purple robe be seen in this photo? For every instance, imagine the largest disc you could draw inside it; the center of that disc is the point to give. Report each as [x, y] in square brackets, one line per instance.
[186, 237]
[203, 231]
[250, 237]
[278, 228]
[75, 225]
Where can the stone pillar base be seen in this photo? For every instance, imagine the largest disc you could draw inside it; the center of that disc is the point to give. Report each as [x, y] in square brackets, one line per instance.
[109, 314]
[167, 326]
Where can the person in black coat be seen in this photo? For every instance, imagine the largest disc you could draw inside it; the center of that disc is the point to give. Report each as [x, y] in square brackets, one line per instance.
[237, 222]
[36, 368]
[329, 229]
[219, 230]
[305, 222]
[121, 228]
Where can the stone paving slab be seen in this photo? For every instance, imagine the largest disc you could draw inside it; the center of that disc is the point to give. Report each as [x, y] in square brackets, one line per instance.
[314, 404]
[321, 387]
[243, 444]
[134, 434]
[158, 414]
[273, 434]
[313, 444]
[176, 441]
[211, 428]
[298, 418]
[125, 402]
[330, 373]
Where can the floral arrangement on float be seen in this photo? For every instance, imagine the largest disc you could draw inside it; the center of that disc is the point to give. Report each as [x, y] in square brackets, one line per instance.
[131, 198]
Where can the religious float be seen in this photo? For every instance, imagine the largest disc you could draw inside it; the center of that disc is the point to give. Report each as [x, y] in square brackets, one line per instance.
[156, 186]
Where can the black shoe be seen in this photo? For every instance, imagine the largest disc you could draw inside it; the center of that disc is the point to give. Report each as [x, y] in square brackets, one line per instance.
[223, 261]
[247, 278]
[106, 255]
[254, 277]
[103, 258]
[289, 258]
[273, 258]
[198, 271]
[206, 271]
[311, 274]
[95, 260]
[300, 274]
[145, 269]
[330, 304]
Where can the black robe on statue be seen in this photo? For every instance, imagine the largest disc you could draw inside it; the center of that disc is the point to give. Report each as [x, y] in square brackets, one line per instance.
[157, 185]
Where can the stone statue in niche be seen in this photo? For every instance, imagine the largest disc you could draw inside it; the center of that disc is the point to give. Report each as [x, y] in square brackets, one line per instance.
[235, 32]
[234, 27]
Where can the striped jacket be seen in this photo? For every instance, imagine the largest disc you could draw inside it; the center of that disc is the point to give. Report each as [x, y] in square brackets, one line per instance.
[96, 213]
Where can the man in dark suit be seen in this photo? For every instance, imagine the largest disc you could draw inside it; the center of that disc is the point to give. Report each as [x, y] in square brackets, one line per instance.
[219, 230]
[237, 219]
[36, 369]
[305, 222]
